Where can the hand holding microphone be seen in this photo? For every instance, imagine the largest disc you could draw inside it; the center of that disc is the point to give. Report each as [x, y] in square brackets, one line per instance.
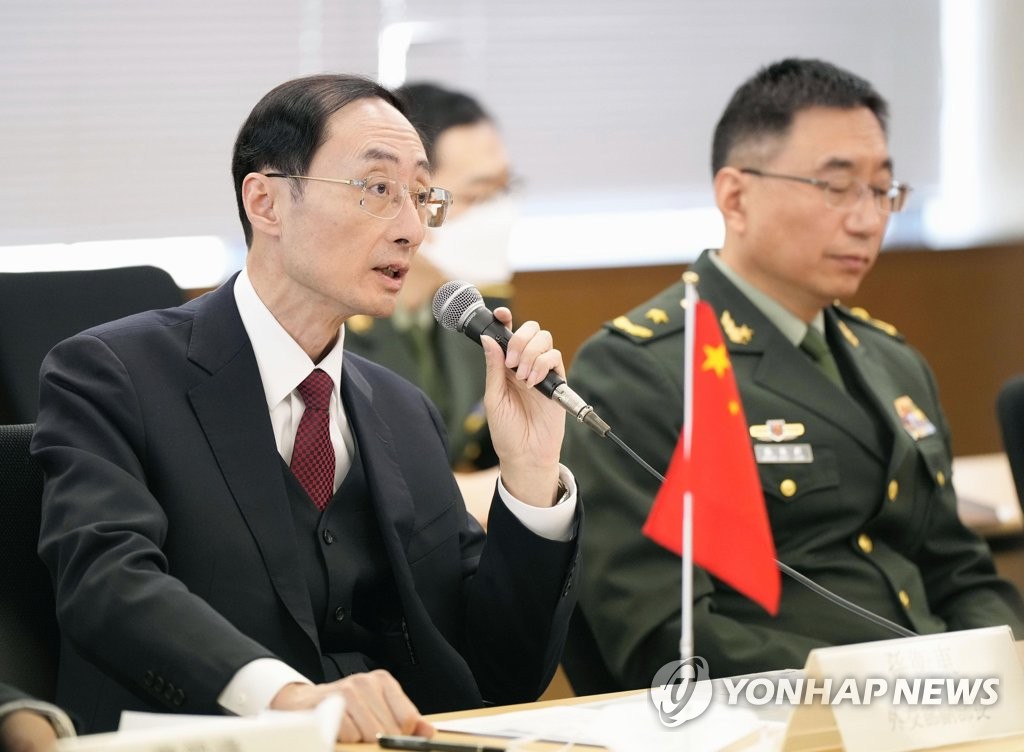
[526, 429]
[458, 306]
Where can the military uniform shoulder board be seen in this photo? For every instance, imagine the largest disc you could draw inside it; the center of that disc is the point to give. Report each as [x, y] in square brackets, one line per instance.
[859, 315]
[651, 320]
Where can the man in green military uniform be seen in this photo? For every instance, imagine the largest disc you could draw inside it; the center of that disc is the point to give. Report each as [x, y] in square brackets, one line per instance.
[852, 446]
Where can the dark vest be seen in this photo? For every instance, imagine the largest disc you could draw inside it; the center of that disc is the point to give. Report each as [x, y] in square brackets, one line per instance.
[351, 587]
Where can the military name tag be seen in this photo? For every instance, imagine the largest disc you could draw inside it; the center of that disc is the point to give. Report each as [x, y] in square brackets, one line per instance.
[774, 454]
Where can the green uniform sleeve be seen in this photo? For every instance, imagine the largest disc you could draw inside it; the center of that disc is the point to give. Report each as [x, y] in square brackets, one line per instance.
[955, 563]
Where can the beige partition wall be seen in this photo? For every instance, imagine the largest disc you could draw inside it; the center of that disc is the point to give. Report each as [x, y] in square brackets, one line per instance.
[963, 309]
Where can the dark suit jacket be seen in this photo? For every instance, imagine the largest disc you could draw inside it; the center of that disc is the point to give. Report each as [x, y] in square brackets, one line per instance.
[872, 516]
[461, 375]
[167, 529]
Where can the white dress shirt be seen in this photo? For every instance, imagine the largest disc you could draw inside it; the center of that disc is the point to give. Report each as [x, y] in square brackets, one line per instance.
[283, 365]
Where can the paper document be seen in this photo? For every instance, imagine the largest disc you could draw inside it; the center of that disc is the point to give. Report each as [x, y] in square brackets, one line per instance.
[627, 724]
[271, 731]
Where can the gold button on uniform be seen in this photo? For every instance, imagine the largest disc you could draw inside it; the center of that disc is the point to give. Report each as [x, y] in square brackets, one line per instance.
[864, 541]
[894, 490]
[940, 478]
[904, 599]
[787, 487]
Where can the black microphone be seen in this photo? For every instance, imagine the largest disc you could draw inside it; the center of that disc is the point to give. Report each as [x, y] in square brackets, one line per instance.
[458, 306]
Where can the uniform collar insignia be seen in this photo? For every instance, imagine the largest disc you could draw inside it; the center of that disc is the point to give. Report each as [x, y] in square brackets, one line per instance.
[848, 333]
[738, 335]
[359, 323]
[657, 316]
[777, 429]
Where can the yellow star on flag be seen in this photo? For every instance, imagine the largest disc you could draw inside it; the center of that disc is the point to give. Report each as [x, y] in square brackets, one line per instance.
[715, 359]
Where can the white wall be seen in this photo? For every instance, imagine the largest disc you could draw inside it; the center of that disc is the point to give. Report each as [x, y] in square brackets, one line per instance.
[117, 116]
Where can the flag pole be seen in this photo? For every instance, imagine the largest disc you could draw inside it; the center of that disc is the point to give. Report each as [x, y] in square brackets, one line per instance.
[690, 305]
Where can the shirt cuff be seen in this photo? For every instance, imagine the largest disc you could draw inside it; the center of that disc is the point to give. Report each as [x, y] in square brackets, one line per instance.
[255, 685]
[555, 522]
[62, 725]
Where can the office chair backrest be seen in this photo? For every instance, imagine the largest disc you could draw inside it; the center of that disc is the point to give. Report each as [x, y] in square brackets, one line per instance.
[29, 638]
[1010, 409]
[39, 309]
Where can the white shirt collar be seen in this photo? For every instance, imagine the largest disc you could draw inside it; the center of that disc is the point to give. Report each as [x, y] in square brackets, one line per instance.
[282, 362]
[792, 326]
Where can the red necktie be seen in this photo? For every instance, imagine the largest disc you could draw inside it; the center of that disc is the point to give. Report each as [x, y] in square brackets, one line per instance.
[313, 455]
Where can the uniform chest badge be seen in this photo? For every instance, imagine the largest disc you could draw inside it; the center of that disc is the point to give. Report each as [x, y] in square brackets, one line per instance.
[912, 418]
[777, 429]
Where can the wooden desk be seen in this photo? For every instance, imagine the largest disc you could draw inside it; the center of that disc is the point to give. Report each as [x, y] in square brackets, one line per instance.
[480, 712]
[1013, 744]
[986, 495]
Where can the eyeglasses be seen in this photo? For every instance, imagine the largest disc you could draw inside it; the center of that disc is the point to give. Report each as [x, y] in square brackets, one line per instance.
[383, 197]
[846, 194]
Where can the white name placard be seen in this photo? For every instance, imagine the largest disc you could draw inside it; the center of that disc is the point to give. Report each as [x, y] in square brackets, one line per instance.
[911, 693]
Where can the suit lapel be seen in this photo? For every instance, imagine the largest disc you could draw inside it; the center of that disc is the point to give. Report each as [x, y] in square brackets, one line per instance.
[230, 407]
[393, 503]
[391, 496]
[774, 367]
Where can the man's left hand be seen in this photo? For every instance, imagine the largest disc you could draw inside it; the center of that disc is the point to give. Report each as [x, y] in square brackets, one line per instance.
[526, 427]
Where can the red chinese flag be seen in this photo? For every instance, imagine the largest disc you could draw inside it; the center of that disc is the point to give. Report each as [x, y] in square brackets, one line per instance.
[732, 539]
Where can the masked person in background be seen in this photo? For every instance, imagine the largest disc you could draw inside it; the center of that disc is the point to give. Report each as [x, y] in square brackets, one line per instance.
[465, 149]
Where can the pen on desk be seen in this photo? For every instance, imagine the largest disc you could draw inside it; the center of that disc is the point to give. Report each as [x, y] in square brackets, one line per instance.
[429, 745]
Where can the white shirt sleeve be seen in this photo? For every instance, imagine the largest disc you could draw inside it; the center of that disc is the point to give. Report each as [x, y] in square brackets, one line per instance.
[555, 522]
[254, 686]
[62, 725]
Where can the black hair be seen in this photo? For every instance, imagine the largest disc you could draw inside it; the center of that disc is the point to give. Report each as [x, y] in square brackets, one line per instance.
[766, 104]
[434, 109]
[286, 127]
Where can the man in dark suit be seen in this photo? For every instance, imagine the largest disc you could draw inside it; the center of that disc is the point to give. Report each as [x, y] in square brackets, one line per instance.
[852, 446]
[29, 725]
[238, 515]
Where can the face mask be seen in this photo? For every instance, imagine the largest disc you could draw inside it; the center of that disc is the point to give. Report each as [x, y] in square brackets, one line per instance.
[474, 245]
